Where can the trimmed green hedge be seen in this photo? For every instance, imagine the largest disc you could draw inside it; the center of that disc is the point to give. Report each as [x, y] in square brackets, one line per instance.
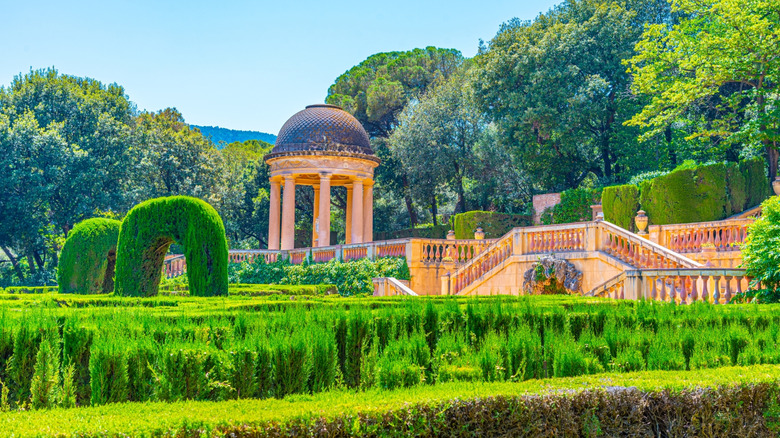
[152, 226]
[429, 232]
[493, 224]
[88, 257]
[29, 290]
[703, 193]
[757, 187]
[620, 205]
[258, 290]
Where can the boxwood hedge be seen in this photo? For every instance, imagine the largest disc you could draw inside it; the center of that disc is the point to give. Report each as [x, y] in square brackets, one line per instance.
[152, 226]
[493, 224]
[88, 257]
[620, 205]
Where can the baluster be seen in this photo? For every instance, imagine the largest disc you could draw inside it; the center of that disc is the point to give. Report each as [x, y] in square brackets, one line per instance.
[727, 295]
[739, 284]
[654, 290]
[716, 295]
[663, 289]
[673, 290]
[686, 286]
[705, 295]
[717, 242]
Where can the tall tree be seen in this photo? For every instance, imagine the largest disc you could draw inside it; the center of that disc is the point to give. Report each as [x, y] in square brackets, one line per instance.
[377, 90]
[557, 89]
[441, 142]
[717, 70]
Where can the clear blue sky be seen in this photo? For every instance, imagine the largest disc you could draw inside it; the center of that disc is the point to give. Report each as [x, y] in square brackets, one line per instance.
[236, 64]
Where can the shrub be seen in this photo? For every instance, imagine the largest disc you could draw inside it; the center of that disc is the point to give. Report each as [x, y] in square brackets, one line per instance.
[429, 231]
[620, 205]
[574, 206]
[152, 226]
[760, 256]
[88, 256]
[493, 224]
[349, 278]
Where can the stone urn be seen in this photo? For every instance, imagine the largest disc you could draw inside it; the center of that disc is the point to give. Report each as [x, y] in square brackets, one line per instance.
[451, 235]
[479, 234]
[776, 185]
[641, 222]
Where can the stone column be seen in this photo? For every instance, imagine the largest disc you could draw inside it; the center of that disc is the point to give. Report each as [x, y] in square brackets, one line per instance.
[348, 221]
[273, 216]
[368, 212]
[324, 211]
[357, 211]
[288, 213]
[315, 215]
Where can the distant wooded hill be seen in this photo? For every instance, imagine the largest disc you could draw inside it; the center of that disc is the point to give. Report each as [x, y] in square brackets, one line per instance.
[218, 135]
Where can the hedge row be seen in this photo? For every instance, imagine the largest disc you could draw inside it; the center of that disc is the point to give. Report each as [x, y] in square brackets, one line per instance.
[493, 224]
[729, 402]
[427, 232]
[702, 193]
[245, 349]
[29, 290]
[620, 205]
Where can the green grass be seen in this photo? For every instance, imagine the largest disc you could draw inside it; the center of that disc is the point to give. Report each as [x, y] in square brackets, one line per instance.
[154, 419]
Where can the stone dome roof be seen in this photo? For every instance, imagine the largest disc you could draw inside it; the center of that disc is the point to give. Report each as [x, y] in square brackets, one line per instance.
[322, 129]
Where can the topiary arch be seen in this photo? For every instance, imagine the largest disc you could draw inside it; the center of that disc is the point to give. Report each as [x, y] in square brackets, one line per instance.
[152, 226]
[87, 259]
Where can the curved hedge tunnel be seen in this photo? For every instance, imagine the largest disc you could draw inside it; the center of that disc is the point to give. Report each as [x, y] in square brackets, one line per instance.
[88, 257]
[152, 226]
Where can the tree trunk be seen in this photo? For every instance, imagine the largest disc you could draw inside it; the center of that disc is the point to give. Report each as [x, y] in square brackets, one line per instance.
[772, 155]
[670, 146]
[38, 260]
[14, 262]
[31, 263]
[434, 208]
[409, 205]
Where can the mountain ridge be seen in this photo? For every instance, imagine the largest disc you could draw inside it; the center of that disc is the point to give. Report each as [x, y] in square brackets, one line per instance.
[219, 134]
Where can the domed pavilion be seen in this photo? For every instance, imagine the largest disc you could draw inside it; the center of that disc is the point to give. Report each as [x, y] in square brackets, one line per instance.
[322, 146]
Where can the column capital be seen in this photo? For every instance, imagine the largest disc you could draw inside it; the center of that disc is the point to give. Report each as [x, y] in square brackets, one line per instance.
[288, 177]
[325, 175]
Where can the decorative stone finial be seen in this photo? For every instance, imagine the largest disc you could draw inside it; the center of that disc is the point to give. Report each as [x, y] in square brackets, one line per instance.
[451, 235]
[776, 185]
[479, 234]
[641, 222]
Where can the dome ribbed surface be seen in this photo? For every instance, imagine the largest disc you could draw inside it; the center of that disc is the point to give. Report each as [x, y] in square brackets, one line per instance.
[322, 128]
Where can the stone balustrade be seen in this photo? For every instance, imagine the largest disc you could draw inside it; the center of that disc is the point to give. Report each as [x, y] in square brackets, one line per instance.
[682, 286]
[389, 286]
[637, 251]
[174, 266]
[485, 261]
[726, 235]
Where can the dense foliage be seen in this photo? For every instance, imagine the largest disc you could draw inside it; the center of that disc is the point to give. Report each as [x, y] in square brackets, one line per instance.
[715, 71]
[350, 278]
[761, 254]
[73, 148]
[174, 348]
[152, 226]
[574, 206]
[88, 257]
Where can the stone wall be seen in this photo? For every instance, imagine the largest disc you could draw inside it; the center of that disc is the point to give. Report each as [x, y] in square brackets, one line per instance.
[543, 202]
